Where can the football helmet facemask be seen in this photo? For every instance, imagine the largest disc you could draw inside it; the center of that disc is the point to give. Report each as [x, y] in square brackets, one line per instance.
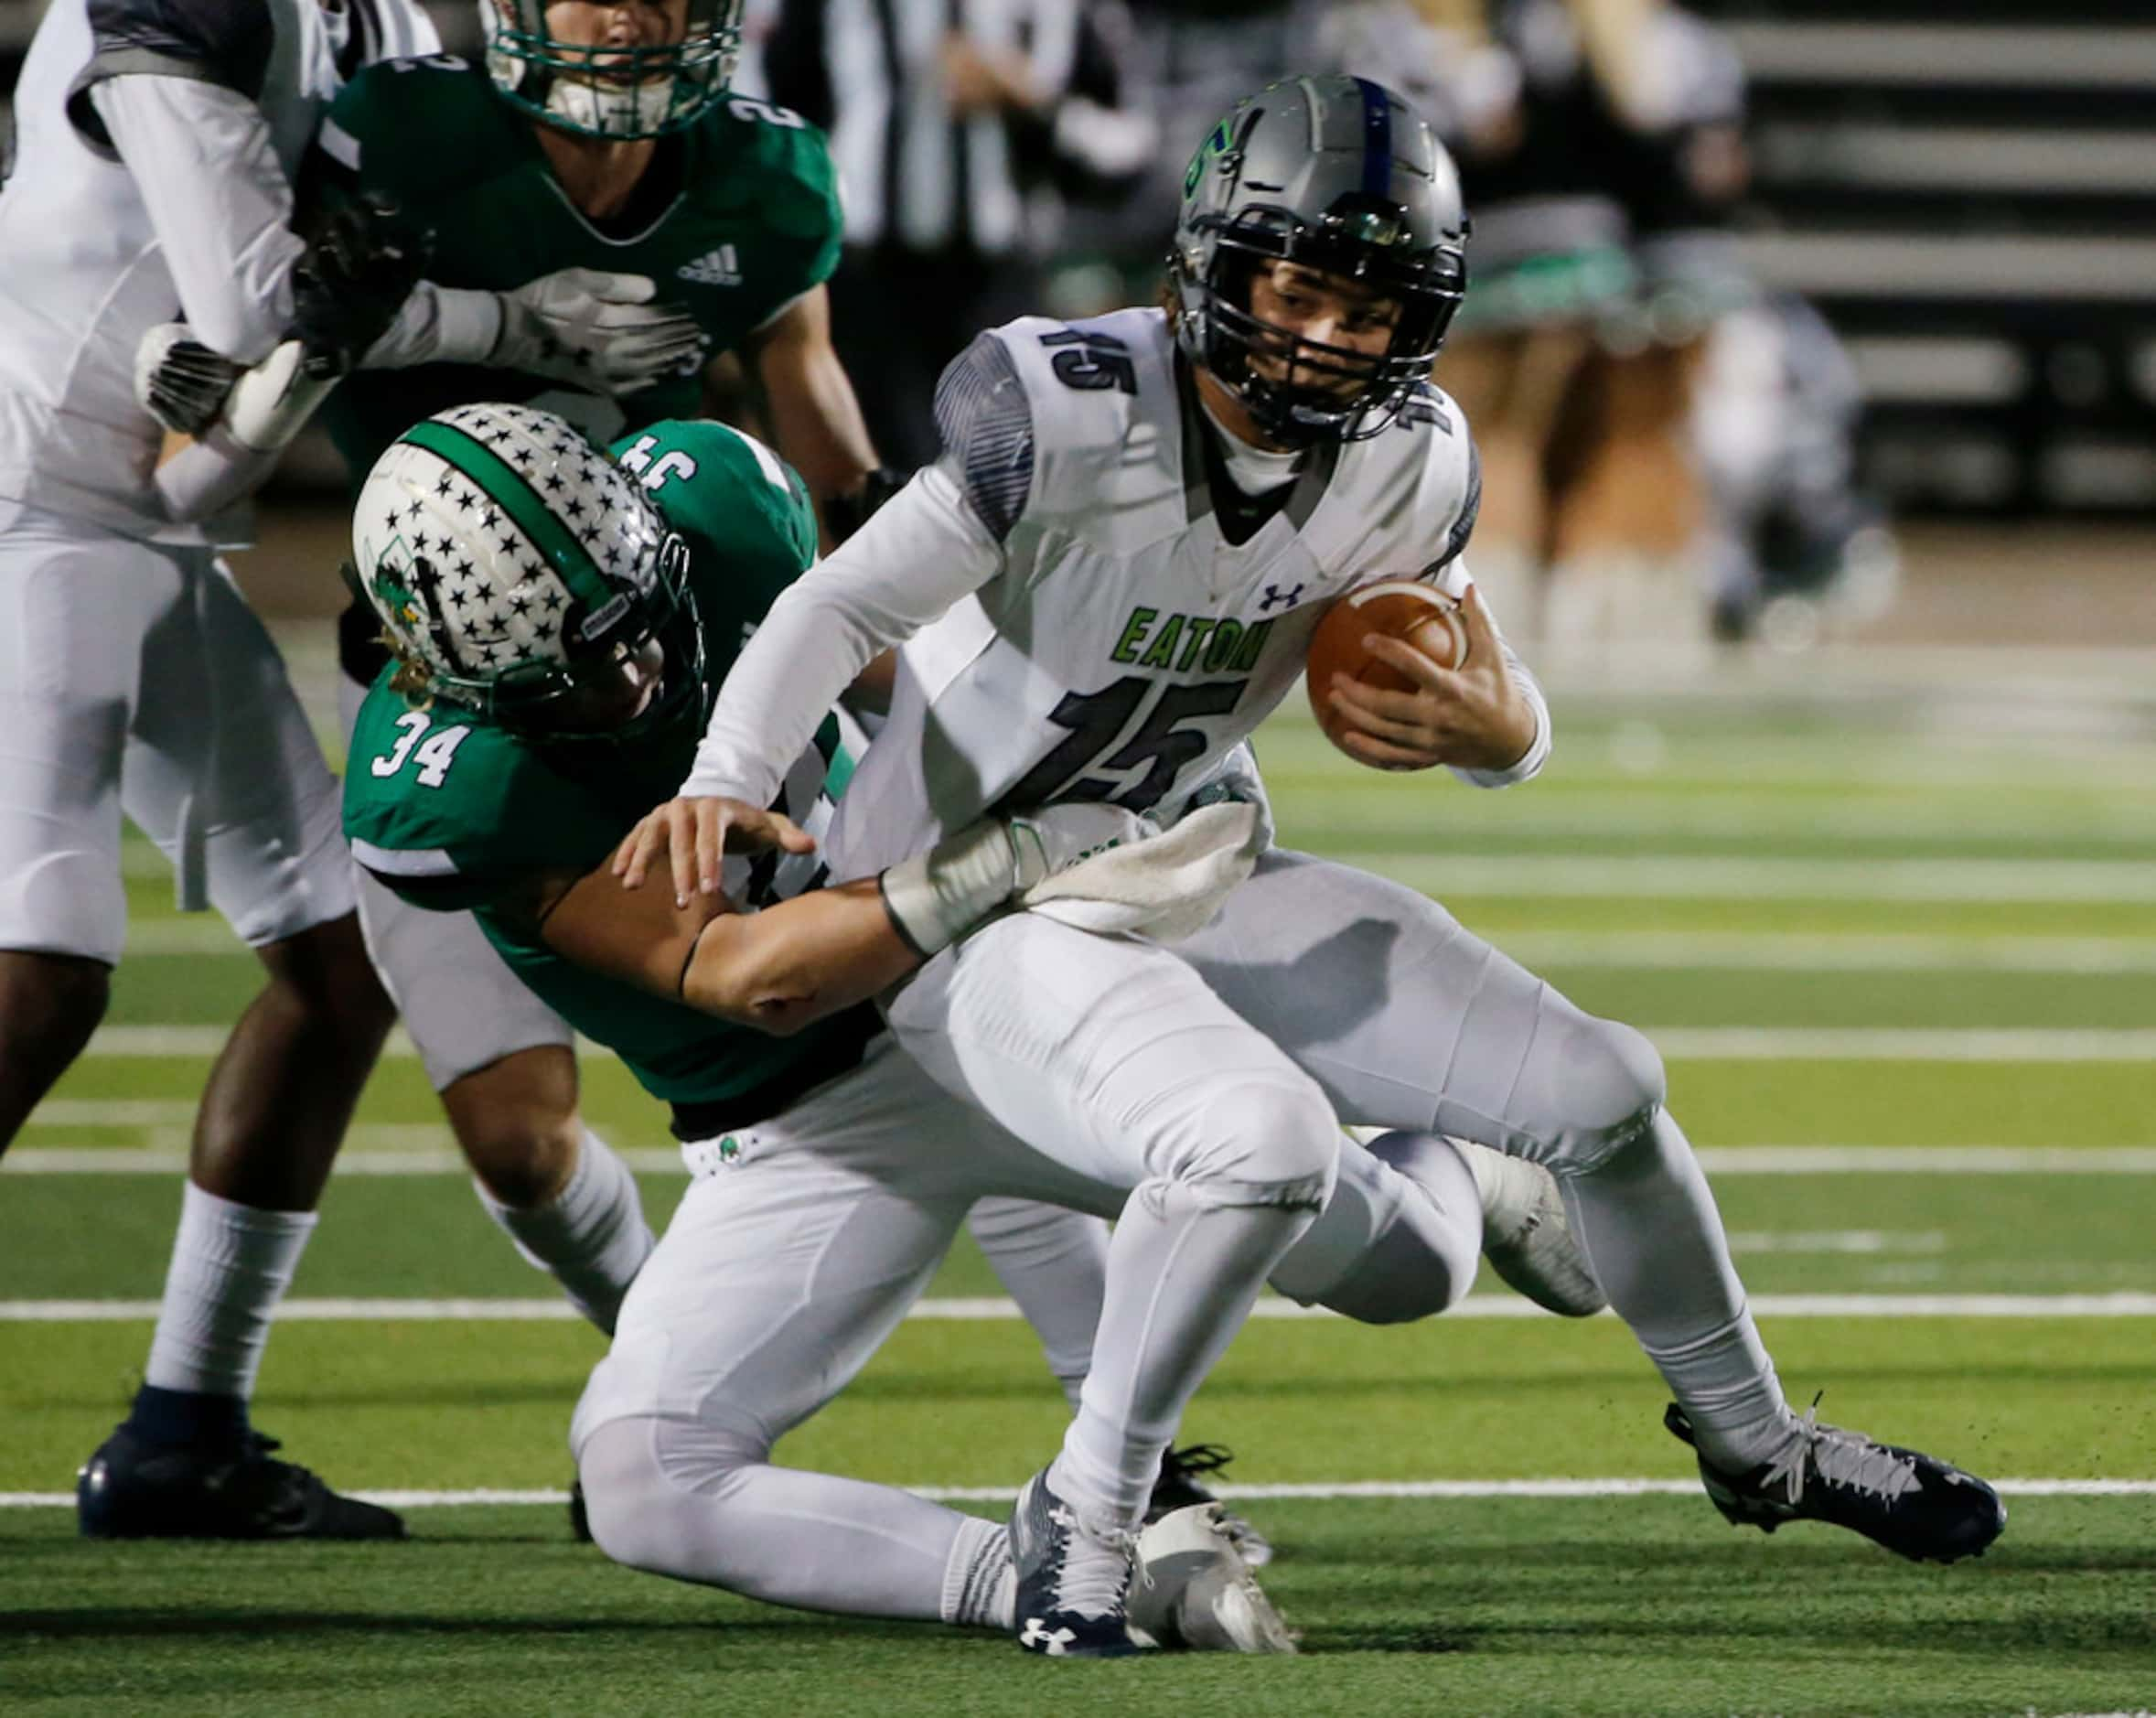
[1342, 175]
[611, 92]
[523, 575]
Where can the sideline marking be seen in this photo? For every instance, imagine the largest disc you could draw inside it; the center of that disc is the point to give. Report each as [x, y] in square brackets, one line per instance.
[993, 1309]
[1322, 1489]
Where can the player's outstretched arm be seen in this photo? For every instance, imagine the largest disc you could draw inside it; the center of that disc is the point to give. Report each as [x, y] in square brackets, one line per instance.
[919, 555]
[780, 969]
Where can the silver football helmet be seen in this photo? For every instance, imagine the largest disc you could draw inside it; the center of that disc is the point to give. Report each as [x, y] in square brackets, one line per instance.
[1343, 176]
[611, 92]
[518, 569]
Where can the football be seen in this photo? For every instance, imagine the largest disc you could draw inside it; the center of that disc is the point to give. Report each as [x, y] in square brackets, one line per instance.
[1417, 614]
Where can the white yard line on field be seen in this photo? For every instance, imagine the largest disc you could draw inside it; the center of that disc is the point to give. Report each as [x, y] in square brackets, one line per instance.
[1737, 951]
[1702, 1043]
[1899, 1044]
[1319, 1490]
[378, 1150]
[1857, 876]
[1835, 952]
[1686, 876]
[993, 1309]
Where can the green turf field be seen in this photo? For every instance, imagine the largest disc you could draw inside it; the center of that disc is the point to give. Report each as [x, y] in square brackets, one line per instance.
[1904, 970]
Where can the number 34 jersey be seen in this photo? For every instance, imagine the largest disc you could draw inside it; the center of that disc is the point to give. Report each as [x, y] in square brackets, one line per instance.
[1146, 616]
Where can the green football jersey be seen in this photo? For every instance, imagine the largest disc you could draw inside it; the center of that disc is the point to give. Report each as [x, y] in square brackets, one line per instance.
[454, 812]
[739, 216]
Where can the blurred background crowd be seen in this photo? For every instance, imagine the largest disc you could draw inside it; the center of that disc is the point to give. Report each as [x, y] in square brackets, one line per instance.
[1751, 280]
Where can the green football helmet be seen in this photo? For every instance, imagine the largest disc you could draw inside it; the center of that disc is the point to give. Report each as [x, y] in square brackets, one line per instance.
[521, 574]
[611, 92]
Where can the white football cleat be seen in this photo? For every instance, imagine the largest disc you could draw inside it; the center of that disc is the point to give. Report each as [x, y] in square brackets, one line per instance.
[1194, 1592]
[1525, 1235]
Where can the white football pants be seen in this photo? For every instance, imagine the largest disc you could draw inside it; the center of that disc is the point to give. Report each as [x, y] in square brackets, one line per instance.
[795, 1254]
[134, 678]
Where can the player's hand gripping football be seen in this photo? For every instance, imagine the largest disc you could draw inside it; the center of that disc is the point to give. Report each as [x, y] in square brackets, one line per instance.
[694, 833]
[1471, 717]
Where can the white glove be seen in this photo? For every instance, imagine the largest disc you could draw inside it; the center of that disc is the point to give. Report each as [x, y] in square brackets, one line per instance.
[935, 897]
[602, 330]
[1234, 778]
[1163, 886]
[180, 381]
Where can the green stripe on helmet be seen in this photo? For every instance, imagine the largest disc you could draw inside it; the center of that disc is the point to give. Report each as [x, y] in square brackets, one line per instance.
[513, 493]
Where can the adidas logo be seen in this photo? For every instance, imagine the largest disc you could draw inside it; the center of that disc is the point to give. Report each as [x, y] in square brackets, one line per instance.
[714, 268]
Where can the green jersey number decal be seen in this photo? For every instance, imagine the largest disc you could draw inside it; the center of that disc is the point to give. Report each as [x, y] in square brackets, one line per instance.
[433, 752]
[747, 107]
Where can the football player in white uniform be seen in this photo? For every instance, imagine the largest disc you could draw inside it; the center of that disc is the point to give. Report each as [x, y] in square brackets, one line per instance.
[157, 141]
[1107, 582]
[830, 1172]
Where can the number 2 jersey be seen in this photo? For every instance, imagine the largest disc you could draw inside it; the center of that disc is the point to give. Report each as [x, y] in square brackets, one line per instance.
[1102, 613]
[452, 812]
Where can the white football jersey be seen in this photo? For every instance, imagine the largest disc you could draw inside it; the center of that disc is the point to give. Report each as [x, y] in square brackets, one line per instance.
[1128, 643]
[84, 275]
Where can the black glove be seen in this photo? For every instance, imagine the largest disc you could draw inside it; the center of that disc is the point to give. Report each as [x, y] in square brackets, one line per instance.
[347, 288]
[847, 513]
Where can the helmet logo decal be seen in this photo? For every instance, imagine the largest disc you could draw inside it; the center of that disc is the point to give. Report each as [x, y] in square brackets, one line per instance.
[1216, 144]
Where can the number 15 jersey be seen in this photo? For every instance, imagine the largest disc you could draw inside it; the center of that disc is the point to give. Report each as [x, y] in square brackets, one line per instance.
[1146, 615]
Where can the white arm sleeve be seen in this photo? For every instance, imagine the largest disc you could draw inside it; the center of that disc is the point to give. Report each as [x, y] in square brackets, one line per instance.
[201, 154]
[439, 324]
[923, 551]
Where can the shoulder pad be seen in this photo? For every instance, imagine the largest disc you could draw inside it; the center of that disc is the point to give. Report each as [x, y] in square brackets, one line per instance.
[1083, 386]
[420, 124]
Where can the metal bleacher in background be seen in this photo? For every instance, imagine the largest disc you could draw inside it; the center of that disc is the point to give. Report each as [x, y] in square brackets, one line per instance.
[1968, 189]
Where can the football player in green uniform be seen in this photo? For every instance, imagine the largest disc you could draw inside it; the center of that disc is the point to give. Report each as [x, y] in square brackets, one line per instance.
[606, 137]
[562, 622]
[601, 138]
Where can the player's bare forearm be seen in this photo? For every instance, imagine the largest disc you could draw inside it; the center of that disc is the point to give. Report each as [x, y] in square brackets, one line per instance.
[776, 970]
[791, 964]
[808, 399]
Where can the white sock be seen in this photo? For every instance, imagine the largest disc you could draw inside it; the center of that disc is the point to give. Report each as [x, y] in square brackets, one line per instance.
[1054, 1264]
[1649, 1224]
[231, 1265]
[1183, 1272]
[981, 1583]
[592, 1238]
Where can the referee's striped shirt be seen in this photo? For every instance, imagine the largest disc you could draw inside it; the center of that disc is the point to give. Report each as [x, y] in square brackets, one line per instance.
[871, 72]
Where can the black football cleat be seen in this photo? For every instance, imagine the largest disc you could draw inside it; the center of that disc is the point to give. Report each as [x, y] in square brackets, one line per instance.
[1181, 1487]
[135, 1489]
[1915, 1505]
[580, 1517]
[1074, 1580]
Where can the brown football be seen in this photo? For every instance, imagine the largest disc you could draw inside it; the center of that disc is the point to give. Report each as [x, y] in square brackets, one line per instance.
[1407, 609]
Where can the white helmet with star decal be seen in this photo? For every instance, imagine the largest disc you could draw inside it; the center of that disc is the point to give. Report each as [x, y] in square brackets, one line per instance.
[522, 575]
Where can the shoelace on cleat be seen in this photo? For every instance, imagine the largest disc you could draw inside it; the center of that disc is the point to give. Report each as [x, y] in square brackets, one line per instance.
[1194, 1459]
[1097, 1568]
[1848, 1459]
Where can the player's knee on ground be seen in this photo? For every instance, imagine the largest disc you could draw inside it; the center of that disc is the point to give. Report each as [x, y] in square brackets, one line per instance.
[1262, 1142]
[1591, 1088]
[655, 1492]
[1398, 1240]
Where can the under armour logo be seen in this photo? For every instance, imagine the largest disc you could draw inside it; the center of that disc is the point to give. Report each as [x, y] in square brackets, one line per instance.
[1286, 599]
[1037, 1637]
